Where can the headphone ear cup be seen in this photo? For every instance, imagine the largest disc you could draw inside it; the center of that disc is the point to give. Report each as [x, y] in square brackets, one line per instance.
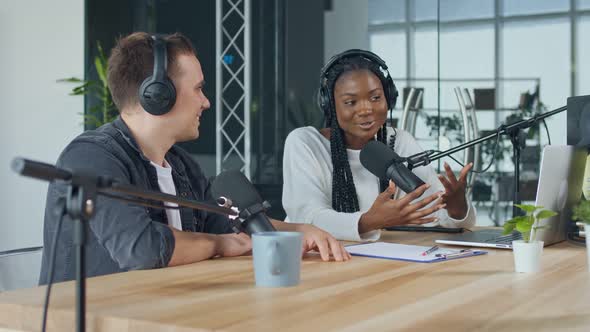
[392, 93]
[324, 102]
[157, 97]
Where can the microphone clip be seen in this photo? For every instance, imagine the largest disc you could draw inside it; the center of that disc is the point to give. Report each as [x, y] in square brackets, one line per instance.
[254, 209]
[233, 219]
[243, 215]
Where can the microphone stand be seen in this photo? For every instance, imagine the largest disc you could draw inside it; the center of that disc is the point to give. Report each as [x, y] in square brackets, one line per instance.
[83, 189]
[517, 137]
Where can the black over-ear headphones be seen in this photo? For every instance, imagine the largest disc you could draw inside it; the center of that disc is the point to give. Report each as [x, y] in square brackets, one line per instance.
[157, 94]
[324, 95]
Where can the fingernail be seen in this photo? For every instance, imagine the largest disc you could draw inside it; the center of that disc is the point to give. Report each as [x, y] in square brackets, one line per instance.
[443, 205]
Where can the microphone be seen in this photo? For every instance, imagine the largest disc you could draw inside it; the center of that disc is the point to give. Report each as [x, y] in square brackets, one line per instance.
[236, 187]
[387, 165]
[39, 170]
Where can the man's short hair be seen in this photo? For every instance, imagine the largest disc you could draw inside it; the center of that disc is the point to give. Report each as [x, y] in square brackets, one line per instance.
[132, 61]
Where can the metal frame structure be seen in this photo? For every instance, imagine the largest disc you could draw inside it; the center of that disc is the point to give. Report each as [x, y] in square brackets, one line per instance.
[232, 82]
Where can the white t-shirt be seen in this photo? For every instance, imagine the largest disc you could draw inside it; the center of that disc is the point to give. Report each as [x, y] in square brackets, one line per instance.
[166, 183]
[307, 189]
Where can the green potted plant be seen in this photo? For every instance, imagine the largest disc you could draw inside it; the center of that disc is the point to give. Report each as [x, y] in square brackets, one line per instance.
[527, 252]
[582, 213]
[103, 111]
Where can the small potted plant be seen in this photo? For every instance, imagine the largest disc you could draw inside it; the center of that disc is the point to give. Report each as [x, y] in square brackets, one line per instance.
[582, 213]
[527, 252]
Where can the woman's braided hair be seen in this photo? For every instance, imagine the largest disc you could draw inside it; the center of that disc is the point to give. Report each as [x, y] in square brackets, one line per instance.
[344, 196]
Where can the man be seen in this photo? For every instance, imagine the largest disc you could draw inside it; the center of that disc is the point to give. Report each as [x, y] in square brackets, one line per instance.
[139, 148]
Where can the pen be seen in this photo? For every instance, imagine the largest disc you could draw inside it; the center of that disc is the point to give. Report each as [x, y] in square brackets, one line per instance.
[431, 250]
[456, 254]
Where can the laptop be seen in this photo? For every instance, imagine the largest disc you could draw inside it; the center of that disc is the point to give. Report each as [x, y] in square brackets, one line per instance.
[559, 189]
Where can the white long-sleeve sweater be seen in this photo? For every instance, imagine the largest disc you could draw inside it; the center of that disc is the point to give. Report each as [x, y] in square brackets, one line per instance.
[307, 189]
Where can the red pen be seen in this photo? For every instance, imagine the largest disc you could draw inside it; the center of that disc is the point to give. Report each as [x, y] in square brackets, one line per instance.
[431, 250]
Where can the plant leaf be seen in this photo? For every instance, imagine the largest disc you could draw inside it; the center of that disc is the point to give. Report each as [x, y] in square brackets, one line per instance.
[544, 214]
[100, 70]
[528, 208]
[524, 226]
[70, 80]
[518, 219]
[508, 228]
[91, 120]
[582, 211]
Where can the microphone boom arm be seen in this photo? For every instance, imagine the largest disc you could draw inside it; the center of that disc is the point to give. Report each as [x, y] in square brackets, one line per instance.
[422, 158]
[514, 130]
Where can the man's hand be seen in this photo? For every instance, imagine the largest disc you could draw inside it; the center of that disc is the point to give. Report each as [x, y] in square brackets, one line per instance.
[454, 195]
[322, 241]
[228, 245]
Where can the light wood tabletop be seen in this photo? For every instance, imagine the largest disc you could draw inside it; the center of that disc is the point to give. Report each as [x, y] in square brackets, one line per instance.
[481, 293]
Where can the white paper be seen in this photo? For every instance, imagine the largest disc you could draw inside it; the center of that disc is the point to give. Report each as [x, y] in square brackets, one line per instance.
[398, 251]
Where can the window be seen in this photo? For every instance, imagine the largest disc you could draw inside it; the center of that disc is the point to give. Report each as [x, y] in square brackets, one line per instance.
[583, 53]
[424, 10]
[387, 11]
[466, 9]
[527, 54]
[391, 47]
[526, 7]
[583, 4]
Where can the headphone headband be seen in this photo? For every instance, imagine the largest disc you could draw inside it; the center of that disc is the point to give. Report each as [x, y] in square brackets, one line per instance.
[324, 95]
[352, 53]
[160, 57]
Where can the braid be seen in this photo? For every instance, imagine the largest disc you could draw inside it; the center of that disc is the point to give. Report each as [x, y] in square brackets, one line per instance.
[344, 195]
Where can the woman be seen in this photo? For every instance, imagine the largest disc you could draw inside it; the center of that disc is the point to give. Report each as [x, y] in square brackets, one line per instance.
[324, 181]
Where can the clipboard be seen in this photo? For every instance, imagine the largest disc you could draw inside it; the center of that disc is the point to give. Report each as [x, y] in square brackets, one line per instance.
[409, 253]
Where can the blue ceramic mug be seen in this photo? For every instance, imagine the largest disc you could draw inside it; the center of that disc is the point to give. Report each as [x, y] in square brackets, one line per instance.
[277, 258]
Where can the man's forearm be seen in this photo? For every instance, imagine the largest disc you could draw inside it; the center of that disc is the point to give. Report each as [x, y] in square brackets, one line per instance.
[283, 226]
[192, 247]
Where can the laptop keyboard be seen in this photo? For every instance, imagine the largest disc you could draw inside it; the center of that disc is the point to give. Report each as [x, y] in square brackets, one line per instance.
[505, 239]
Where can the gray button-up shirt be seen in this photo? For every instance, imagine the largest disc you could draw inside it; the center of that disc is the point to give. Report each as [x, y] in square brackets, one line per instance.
[122, 236]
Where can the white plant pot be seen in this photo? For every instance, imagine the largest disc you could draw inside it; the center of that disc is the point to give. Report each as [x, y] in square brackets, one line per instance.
[587, 232]
[527, 256]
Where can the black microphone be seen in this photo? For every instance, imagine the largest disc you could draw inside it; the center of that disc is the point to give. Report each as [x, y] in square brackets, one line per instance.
[39, 170]
[387, 165]
[235, 186]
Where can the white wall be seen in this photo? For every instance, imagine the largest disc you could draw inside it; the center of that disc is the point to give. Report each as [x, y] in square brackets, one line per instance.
[41, 41]
[346, 26]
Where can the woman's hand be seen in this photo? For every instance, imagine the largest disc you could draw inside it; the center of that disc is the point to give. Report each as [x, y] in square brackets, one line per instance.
[387, 211]
[454, 195]
[322, 241]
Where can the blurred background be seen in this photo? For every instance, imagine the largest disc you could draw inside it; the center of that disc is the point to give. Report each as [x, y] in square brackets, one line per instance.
[463, 67]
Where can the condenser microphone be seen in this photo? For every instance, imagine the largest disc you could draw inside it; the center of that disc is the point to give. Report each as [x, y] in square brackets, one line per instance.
[387, 165]
[235, 186]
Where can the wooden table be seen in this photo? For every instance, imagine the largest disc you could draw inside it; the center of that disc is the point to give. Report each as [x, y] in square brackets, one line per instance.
[480, 293]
